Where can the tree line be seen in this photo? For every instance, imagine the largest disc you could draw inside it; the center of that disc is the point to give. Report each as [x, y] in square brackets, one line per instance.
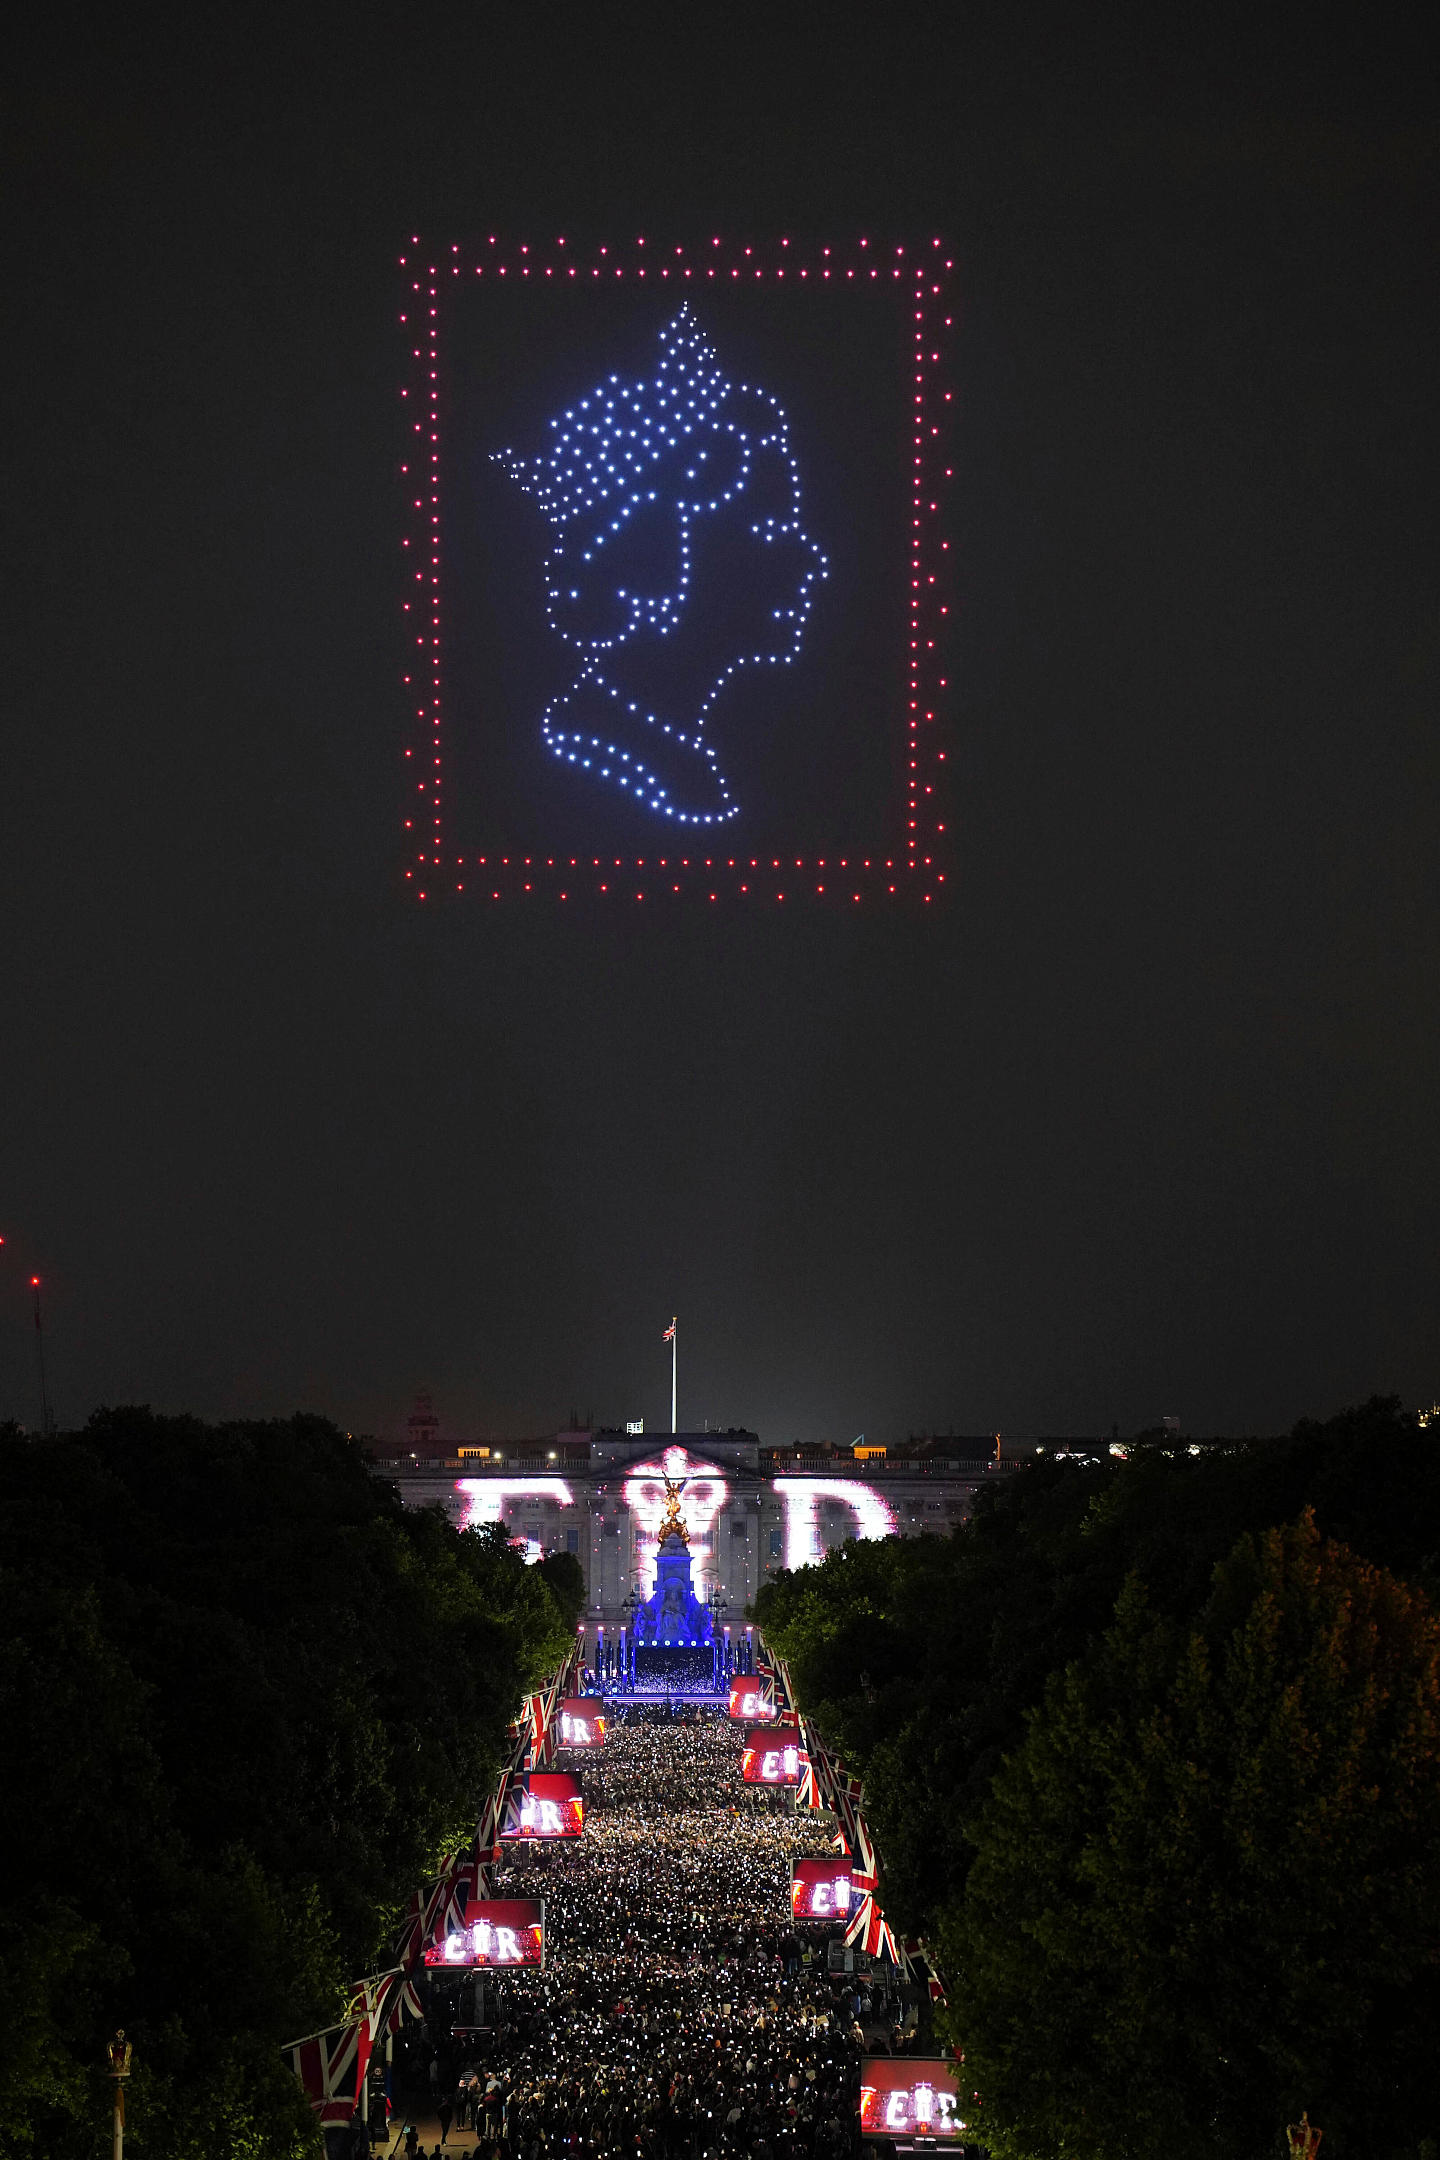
[248, 1703]
[1151, 1750]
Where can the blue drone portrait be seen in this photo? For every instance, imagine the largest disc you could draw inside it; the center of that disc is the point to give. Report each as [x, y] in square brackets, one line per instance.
[678, 560]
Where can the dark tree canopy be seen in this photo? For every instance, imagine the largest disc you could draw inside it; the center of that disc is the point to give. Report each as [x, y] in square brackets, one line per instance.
[1206, 1890]
[256, 1702]
[565, 1579]
[921, 1660]
[920, 1657]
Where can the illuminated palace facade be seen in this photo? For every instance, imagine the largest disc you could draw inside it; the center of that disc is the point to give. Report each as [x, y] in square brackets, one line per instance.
[749, 1510]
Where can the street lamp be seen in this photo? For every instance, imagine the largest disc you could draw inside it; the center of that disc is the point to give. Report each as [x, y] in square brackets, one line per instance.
[118, 2059]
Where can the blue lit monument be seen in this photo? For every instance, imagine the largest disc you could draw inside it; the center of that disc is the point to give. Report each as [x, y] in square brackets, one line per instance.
[673, 1618]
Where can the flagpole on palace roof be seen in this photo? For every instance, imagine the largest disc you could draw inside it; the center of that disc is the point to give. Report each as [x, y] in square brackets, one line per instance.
[673, 1331]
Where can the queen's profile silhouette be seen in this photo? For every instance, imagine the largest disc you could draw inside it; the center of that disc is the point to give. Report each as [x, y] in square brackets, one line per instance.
[677, 560]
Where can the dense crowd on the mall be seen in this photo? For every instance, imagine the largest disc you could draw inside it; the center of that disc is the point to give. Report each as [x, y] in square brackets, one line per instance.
[681, 2014]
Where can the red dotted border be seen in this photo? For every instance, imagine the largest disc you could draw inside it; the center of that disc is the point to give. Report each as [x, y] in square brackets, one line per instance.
[914, 871]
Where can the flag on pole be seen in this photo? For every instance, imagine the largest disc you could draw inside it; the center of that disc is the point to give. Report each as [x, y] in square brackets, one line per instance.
[331, 2068]
[669, 1334]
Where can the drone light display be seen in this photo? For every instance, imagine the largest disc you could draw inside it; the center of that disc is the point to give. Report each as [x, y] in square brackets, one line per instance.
[642, 475]
[497, 1931]
[666, 451]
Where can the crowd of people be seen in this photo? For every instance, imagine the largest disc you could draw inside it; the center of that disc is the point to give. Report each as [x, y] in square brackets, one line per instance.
[681, 2015]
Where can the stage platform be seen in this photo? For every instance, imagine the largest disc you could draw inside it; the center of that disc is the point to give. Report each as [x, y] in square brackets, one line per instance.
[657, 1692]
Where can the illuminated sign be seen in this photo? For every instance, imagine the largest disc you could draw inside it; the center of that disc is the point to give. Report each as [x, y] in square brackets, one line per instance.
[820, 1889]
[667, 632]
[543, 1804]
[487, 1498]
[817, 1511]
[749, 1702]
[901, 2097]
[704, 1493]
[582, 1721]
[771, 1755]
[497, 1931]
[865, 1513]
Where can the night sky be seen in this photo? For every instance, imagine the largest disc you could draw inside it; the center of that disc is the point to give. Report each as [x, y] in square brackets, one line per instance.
[1142, 1123]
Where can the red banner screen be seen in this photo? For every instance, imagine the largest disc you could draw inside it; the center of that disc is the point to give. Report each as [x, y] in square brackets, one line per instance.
[582, 1721]
[772, 1755]
[749, 1703]
[820, 1889]
[543, 1804]
[902, 2097]
[497, 1931]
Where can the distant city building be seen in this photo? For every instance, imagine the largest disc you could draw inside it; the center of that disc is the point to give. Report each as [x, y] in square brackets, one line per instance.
[422, 1428]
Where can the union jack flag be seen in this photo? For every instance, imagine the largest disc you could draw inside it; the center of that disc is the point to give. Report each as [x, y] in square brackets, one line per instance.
[865, 1874]
[330, 2067]
[487, 1837]
[393, 2001]
[420, 1922]
[462, 1884]
[669, 1334]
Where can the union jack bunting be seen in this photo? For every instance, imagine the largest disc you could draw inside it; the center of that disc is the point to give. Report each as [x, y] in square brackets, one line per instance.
[533, 1729]
[524, 1730]
[814, 1778]
[461, 1885]
[330, 2067]
[487, 1836]
[870, 1931]
[778, 1672]
[865, 1872]
[394, 2001]
[421, 1920]
[846, 1813]
[919, 1965]
[539, 1723]
[828, 1784]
